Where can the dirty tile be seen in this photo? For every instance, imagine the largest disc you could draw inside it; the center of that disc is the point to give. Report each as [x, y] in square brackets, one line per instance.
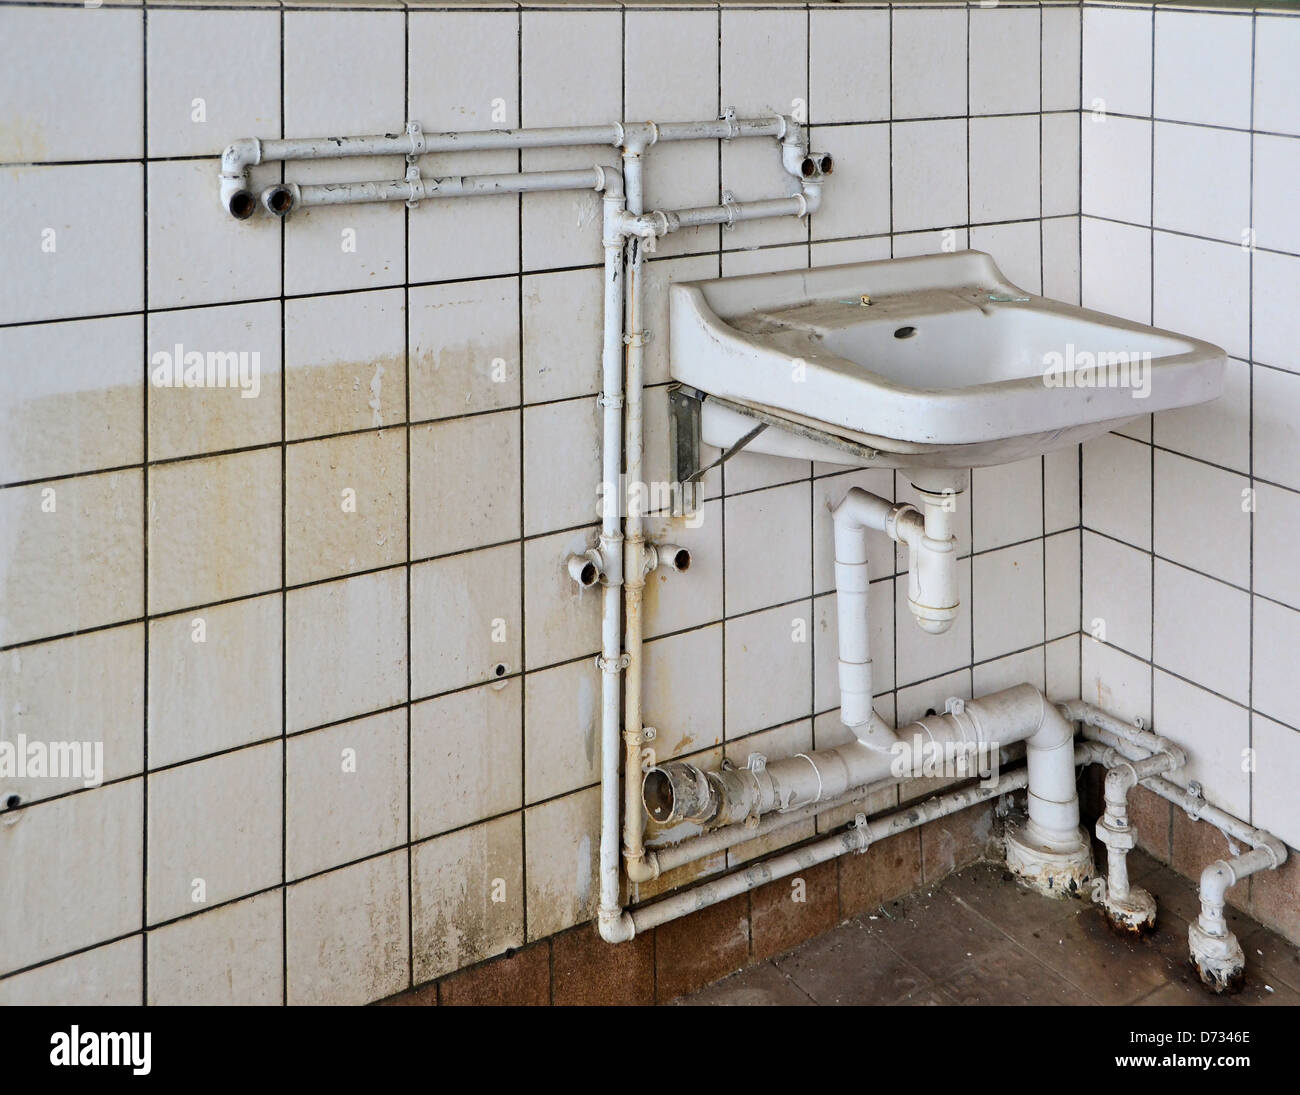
[1005, 978]
[850, 966]
[467, 889]
[791, 910]
[214, 529]
[79, 561]
[933, 931]
[762, 986]
[347, 933]
[888, 869]
[345, 793]
[229, 956]
[563, 844]
[345, 505]
[562, 725]
[107, 976]
[950, 843]
[466, 763]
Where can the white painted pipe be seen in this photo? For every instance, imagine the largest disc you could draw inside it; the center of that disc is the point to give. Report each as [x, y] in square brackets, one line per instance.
[856, 839]
[244, 154]
[932, 587]
[855, 514]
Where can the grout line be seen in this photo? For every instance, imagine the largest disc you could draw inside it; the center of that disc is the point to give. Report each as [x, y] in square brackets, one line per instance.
[284, 594]
[144, 521]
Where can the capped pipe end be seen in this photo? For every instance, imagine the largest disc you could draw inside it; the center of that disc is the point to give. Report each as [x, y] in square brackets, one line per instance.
[279, 200]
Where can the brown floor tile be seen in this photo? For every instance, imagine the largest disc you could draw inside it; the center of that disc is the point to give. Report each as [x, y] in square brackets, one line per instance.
[850, 966]
[586, 970]
[698, 949]
[1184, 994]
[997, 895]
[1011, 976]
[1275, 958]
[1087, 952]
[783, 915]
[934, 931]
[928, 996]
[763, 985]
[522, 978]
[886, 870]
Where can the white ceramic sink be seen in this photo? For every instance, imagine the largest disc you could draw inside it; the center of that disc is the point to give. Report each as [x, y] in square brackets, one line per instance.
[948, 366]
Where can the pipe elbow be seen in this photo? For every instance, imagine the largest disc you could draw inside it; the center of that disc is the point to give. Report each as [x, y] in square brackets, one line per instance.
[642, 868]
[240, 155]
[616, 926]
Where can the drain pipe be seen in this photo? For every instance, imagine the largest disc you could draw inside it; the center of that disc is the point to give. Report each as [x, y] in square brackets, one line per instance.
[1052, 854]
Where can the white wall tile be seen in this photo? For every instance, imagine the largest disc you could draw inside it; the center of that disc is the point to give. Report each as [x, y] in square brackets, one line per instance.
[562, 724]
[563, 317]
[1117, 60]
[62, 228]
[347, 933]
[1061, 164]
[107, 976]
[1191, 499]
[1062, 43]
[1009, 582]
[464, 353]
[1004, 60]
[1277, 83]
[214, 830]
[1275, 331]
[346, 647]
[1115, 681]
[1117, 489]
[345, 793]
[1277, 755]
[1275, 437]
[562, 466]
[1025, 667]
[70, 397]
[682, 691]
[1276, 639]
[1218, 431]
[215, 681]
[562, 846]
[1277, 530]
[465, 619]
[464, 483]
[848, 65]
[929, 62]
[188, 421]
[1061, 255]
[79, 562]
[861, 153]
[1202, 68]
[198, 253]
[562, 619]
[1182, 301]
[1116, 594]
[1116, 160]
[996, 193]
[1062, 565]
[87, 688]
[198, 100]
[94, 882]
[676, 600]
[1017, 249]
[345, 363]
[1007, 503]
[1187, 607]
[929, 173]
[1116, 268]
[1062, 670]
[230, 956]
[466, 759]
[1215, 734]
[79, 55]
[1218, 205]
[769, 670]
[770, 560]
[1061, 489]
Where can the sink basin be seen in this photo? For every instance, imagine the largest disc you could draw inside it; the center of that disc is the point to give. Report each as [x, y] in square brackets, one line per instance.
[929, 362]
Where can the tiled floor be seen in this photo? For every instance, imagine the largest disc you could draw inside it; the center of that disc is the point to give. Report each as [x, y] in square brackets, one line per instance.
[979, 938]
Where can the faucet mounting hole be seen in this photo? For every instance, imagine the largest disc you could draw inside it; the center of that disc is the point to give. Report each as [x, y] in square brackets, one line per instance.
[905, 332]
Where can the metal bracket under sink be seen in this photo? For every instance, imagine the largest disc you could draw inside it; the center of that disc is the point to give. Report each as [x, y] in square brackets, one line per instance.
[684, 405]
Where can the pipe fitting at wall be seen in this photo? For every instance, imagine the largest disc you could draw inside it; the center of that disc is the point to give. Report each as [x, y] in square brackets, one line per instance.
[585, 568]
[667, 556]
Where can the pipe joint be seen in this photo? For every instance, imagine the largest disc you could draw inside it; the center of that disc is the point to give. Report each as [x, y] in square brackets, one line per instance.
[586, 568]
[671, 556]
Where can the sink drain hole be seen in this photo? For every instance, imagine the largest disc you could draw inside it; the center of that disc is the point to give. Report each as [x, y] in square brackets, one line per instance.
[905, 332]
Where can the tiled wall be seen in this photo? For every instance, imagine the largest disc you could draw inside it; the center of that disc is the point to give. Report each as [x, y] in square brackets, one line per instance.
[1191, 155]
[346, 691]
